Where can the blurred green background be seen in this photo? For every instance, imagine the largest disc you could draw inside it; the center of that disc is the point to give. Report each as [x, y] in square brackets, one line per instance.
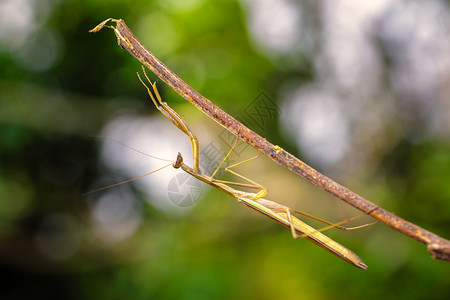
[359, 91]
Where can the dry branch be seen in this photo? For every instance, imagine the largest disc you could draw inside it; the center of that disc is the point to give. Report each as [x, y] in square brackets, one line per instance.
[438, 247]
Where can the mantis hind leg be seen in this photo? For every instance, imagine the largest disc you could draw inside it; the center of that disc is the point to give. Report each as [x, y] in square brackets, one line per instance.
[174, 117]
[330, 225]
[275, 207]
[338, 224]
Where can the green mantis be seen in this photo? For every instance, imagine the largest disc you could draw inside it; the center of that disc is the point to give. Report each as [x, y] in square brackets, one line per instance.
[278, 212]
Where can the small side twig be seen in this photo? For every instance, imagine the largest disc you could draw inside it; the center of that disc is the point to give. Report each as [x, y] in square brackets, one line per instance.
[438, 247]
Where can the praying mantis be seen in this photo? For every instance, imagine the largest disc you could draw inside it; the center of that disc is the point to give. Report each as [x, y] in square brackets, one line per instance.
[277, 212]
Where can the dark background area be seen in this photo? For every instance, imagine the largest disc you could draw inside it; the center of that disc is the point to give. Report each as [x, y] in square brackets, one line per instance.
[358, 91]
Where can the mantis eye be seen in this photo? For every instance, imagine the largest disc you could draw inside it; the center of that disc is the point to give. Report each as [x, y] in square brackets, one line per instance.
[178, 162]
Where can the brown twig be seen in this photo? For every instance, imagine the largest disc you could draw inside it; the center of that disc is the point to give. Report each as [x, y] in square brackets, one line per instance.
[438, 247]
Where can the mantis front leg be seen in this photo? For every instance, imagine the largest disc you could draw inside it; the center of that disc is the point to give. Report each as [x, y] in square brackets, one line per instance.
[174, 117]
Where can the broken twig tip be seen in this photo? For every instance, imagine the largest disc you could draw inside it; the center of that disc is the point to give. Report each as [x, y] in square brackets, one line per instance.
[102, 24]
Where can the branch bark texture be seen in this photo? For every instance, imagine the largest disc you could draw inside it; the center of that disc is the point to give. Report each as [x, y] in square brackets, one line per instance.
[438, 247]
